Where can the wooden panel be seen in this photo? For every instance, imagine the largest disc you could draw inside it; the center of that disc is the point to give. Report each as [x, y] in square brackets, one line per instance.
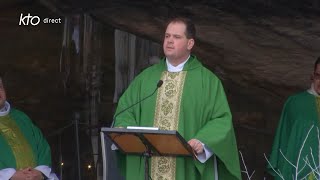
[128, 143]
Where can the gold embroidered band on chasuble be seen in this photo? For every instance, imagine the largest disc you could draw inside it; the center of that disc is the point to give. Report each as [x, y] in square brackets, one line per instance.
[20, 147]
[167, 118]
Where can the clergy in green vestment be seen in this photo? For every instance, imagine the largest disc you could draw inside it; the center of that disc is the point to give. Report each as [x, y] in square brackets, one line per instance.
[295, 150]
[24, 152]
[192, 101]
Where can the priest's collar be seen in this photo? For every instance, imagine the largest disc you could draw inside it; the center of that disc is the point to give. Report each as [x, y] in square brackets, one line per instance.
[312, 90]
[178, 68]
[5, 110]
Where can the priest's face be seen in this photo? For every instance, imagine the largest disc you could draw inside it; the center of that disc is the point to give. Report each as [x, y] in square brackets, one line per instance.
[2, 94]
[316, 79]
[176, 45]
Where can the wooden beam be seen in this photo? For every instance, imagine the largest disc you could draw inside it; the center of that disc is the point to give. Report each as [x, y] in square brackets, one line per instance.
[54, 7]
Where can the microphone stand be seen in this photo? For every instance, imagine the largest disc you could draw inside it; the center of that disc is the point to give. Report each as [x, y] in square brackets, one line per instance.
[147, 154]
[159, 84]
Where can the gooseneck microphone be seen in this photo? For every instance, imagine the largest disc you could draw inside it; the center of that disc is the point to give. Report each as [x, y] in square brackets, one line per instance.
[159, 84]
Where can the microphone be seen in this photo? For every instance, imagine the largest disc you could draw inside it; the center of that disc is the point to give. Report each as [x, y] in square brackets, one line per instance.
[159, 84]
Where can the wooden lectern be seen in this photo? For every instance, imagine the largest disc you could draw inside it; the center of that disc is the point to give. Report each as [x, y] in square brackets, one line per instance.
[148, 143]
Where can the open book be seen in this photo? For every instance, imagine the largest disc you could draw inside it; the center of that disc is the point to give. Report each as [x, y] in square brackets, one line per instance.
[144, 128]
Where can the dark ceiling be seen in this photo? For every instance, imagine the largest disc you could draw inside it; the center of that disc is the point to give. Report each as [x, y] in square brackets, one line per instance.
[243, 7]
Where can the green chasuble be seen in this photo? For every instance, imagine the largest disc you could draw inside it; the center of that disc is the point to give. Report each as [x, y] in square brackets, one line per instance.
[299, 115]
[22, 144]
[194, 103]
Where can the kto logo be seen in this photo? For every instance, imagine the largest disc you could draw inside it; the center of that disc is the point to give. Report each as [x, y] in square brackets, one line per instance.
[26, 20]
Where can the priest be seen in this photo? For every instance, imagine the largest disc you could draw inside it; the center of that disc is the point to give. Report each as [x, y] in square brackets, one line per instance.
[295, 150]
[192, 101]
[24, 152]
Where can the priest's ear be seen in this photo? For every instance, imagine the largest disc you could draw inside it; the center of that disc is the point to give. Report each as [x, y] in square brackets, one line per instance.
[3, 78]
[190, 44]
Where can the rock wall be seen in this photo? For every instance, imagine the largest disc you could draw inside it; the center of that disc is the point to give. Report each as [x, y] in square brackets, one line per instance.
[261, 59]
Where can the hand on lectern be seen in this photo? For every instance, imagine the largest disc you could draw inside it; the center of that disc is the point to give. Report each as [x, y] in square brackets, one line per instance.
[196, 145]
